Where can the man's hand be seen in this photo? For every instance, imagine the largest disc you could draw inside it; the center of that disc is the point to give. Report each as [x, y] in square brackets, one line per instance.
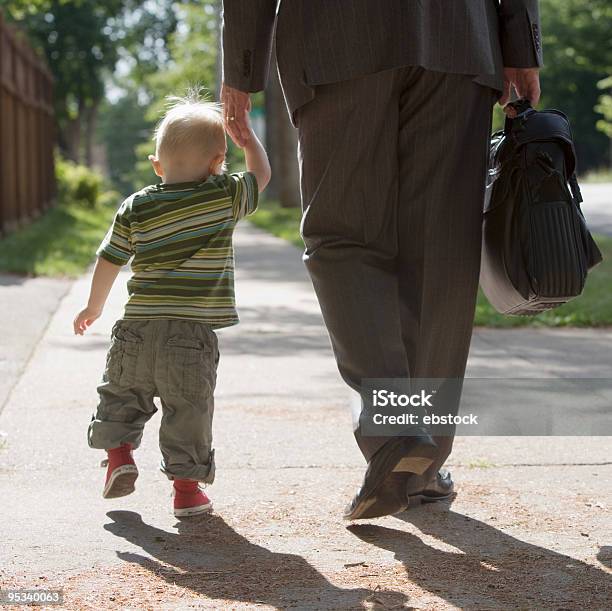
[84, 319]
[236, 108]
[526, 82]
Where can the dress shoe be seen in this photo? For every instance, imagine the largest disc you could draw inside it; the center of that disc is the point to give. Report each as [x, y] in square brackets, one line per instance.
[438, 489]
[390, 499]
[378, 494]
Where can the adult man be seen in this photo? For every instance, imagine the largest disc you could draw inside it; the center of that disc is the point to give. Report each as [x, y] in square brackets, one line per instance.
[392, 101]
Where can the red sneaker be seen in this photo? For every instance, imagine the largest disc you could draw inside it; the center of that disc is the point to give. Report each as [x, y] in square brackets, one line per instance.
[189, 498]
[121, 472]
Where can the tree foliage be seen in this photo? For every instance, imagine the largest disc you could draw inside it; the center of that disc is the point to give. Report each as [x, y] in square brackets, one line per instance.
[578, 55]
[82, 41]
[192, 50]
[118, 59]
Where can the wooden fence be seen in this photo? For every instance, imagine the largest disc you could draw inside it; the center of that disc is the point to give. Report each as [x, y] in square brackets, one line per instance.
[27, 132]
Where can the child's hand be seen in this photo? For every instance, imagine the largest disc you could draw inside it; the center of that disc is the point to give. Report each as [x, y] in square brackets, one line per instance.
[84, 319]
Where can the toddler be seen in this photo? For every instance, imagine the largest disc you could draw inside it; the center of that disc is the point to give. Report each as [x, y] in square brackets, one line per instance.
[178, 234]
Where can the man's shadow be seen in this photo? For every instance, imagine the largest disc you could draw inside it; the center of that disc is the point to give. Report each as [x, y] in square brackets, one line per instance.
[488, 568]
[210, 558]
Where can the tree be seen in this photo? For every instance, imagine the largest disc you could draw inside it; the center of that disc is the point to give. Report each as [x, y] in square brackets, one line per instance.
[122, 127]
[188, 57]
[281, 144]
[82, 41]
[78, 47]
[577, 55]
[604, 107]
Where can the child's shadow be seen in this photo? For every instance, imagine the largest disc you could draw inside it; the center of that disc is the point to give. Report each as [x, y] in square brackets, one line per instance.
[210, 558]
[488, 568]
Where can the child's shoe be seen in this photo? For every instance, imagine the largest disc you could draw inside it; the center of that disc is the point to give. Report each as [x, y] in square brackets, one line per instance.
[189, 498]
[121, 472]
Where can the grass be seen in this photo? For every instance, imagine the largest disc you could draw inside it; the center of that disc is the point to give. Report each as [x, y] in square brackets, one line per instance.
[592, 309]
[62, 242]
[281, 222]
[597, 176]
[481, 463]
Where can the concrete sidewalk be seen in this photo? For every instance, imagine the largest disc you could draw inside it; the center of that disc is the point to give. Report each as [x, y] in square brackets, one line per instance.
[530, 527]
[597, 206]
[27, 306]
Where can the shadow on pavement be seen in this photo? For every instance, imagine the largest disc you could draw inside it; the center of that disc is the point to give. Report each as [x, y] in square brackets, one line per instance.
[277, 331]
[605, 555]
[269, 261]
[488, 568]
[210, 558]
[12, 279]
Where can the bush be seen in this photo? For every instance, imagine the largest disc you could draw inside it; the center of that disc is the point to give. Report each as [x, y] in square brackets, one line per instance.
[111, 199]
[77, 183]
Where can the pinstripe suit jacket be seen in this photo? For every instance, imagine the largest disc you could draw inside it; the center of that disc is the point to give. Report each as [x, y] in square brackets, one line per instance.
[326, 41]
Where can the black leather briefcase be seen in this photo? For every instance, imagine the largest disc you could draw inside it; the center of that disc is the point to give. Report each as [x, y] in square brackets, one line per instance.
[537, 249]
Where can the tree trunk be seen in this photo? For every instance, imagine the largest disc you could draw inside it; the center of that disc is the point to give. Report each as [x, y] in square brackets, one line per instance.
[288, 167]
[219, 60]
[72, 138]
[272, 119]
[91, 116]
[281, 144]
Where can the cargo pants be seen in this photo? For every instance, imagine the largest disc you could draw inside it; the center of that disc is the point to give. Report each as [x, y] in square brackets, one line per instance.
[175, 360]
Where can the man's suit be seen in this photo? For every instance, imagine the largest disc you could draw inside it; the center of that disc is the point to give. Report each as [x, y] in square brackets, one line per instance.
[392, 100]
[326, 41]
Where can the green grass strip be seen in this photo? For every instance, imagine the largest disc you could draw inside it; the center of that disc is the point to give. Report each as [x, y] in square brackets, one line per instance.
[592, 309]
[62, 242]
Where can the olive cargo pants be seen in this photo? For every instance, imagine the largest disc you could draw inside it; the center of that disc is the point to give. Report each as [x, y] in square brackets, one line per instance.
[175, 360]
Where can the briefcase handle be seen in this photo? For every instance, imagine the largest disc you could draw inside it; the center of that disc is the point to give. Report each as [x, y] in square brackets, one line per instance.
[522, 107]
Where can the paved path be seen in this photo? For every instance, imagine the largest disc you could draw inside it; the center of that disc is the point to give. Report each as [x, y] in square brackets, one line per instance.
[597, 206]
[27, 306]
[530, 527]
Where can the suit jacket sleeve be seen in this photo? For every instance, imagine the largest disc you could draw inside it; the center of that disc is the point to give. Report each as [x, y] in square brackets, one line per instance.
[248, 27]
[520, 35]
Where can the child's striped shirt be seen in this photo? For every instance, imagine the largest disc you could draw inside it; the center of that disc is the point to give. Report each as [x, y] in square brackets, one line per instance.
[180, 238]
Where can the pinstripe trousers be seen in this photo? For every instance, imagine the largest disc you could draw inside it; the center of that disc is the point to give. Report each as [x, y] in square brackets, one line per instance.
[392, 171]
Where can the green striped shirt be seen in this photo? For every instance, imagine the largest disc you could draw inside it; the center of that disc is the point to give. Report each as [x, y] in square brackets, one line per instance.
[180, 238]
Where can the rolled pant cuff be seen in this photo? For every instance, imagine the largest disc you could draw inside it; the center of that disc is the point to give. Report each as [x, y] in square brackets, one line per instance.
[103, 435]
[204, 473]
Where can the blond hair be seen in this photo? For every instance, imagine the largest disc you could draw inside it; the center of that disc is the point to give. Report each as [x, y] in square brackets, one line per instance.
[190, 122]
